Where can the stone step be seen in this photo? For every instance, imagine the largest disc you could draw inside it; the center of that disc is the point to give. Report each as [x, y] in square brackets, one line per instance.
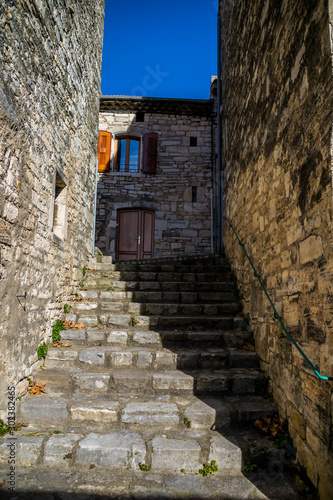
[153, 309]
[192, 277]
[126, 449]
[130, 336]
[91, 481]
[157, 297]
[150, 358]
[85, 413]
[133, 380]
[116, 321]
[176, 267]
[107, 284]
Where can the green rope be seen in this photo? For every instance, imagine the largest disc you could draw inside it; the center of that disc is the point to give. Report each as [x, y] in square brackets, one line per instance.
[276, 315]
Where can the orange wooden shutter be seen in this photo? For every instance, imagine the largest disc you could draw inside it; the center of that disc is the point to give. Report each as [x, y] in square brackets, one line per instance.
[104, 151]
[149, 153]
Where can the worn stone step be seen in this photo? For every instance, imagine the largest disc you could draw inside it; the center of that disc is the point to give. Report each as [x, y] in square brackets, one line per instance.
[128, 336]
[158, 297]
[162, 322]
[90, 411]
[177, 267]
[106, 284]
[158, 309]
[126, 449]
[133, 380]
[194, 323]
[193, 277]
[143, 357]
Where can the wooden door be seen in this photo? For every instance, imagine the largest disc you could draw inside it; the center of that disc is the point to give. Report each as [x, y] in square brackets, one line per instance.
[135, 234]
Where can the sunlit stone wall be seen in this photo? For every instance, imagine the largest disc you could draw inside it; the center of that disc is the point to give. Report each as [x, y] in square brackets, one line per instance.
[277, 80]
[50, 63]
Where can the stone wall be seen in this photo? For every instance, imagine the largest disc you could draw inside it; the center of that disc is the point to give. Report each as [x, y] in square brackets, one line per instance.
[277, 79]
[50, 63]
[182, 222]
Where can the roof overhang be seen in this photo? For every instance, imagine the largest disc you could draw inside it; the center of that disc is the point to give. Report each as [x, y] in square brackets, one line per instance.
[157, 105]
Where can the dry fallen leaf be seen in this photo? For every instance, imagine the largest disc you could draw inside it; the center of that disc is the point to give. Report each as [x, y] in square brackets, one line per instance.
[270, 427]
[248, 347]
[3, 483]
[71, 324]
[37, 388]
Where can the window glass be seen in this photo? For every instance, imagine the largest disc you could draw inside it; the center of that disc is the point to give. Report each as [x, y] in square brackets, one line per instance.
[121, 155]
[134, 155]
[127, 154]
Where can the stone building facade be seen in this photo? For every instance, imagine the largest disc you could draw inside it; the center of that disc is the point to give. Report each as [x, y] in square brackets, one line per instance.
[50, 63]
[277, 158]
[178, 190]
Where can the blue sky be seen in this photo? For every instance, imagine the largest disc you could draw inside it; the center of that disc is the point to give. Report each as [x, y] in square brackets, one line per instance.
[160, 48]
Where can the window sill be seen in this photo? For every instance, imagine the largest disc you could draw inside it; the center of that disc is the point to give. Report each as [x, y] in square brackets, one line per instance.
[113, 172]
[58, 241]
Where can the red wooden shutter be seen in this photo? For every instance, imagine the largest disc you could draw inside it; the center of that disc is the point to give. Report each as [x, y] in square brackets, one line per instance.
[149, 153]
[104, 151]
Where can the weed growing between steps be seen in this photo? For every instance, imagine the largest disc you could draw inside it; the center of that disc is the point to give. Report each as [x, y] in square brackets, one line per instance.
[5, 428]
[188, 423]
[56, 329]
[67, 309]
[144, 467]
[208, 469]
[42, 351]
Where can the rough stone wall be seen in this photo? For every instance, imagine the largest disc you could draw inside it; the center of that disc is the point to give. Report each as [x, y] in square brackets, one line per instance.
[50, 63]
[182, 226]
[277, 80]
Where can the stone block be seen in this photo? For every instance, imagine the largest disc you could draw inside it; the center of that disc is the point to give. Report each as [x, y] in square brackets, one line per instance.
[95, 335]
[175, 454]
[132, 381]
[310, 249]
[93, 356]
[73, 335]
[119, 320]
[151, 413]
[173, 380]
[104, 412]
[91, 382]
[200, 415]
[243, 384]
[86, 306]
[88, 294]
[58, 446]
[213, 382]
[143, 338]
[120, 359]
[56, 354]
[227, 454]
[24, 449]
[117, 337]
[44, 410]
[164, 359]
[144, 360]
[113, 450]
[88, 320]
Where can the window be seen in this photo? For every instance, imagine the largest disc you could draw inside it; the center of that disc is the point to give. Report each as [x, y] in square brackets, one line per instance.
[59, 225]
[193, 141]
[140, 116]
[126, 153]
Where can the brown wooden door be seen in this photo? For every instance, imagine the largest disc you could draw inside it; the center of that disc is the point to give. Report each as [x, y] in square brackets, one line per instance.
[135, 234]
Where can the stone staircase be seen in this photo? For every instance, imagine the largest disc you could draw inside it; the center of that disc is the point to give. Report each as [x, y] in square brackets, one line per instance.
[156, 380]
